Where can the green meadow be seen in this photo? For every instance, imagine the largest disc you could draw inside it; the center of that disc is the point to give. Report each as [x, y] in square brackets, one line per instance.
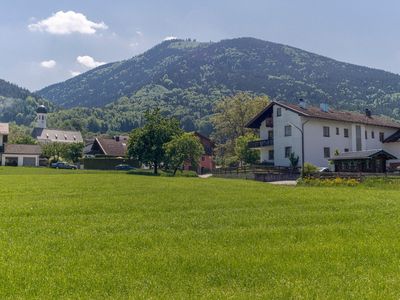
[76, 234]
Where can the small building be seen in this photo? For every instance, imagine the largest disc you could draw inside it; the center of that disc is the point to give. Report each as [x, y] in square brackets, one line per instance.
[106, 153]
[108, 147]
[206, 163]
[44, 135]
[369, 161]
[21, 155]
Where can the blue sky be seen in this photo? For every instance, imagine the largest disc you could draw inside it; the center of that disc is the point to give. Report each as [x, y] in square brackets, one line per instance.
[40, 47]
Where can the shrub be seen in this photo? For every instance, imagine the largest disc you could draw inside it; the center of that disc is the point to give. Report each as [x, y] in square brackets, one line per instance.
[309, 169]
[338, 181]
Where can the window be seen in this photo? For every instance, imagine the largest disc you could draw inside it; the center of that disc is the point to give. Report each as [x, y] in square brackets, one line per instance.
[271, 155]
[346, 150]
[326, 131]
[366, 135]
[372, 134]
[288, 130]
[358, 138]
[279, 112]
[203, 158]
[271, 135]
[288, 150]
[327, 152]
[346, 132]
[337, 131]
[381, 136]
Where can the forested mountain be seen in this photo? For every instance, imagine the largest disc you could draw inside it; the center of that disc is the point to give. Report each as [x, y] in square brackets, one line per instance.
[18, 104]
[185, 78]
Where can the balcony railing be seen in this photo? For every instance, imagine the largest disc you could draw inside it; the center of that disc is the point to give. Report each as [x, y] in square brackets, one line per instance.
[261, 143]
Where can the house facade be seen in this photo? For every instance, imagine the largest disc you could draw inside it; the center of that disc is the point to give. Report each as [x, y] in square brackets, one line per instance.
[206, 163]
[17, 155]
[326, 133]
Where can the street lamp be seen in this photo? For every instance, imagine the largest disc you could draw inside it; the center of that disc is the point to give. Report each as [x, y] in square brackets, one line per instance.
[302, 143]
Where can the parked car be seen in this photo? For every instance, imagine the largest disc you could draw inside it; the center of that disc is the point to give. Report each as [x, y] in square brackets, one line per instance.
[324, 170]
[63, 165]
[123, 167]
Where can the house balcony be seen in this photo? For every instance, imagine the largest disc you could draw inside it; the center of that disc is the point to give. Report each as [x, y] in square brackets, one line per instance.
[269, 122]
[260, 143]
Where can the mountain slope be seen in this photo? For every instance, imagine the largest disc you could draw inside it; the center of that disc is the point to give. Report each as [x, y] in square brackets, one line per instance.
[18, 104]
[243, 64]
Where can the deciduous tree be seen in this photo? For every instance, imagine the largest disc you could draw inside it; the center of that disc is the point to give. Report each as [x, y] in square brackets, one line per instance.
[243, 153]
[183, 148]
[230, 119]
[146, 144]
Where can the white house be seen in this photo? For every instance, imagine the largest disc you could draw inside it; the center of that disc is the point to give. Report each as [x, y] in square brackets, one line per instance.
[325, 132]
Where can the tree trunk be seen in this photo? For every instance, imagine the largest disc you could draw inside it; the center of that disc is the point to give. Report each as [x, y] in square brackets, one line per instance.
[176, 169]
[155, 168]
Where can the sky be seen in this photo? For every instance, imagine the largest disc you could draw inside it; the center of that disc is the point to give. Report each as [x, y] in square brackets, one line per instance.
[48, 41]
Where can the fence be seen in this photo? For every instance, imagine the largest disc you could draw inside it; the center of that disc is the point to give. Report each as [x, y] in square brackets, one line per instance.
[107, 163]
[259, 173]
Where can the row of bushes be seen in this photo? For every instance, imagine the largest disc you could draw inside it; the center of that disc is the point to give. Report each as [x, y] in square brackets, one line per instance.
[328, 182]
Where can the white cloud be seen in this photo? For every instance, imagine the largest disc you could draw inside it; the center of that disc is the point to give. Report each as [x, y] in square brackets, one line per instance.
[139, 33]
[89, 61]
[170, 38]
[66, 23]
[48, 64]
[75, 73]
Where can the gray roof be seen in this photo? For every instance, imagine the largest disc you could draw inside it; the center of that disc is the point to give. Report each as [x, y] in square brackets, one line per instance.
[55, 135]
[22, 149]
[367, 154]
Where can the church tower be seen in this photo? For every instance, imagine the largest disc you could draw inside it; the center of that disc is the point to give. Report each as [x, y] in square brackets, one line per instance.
[41, 116]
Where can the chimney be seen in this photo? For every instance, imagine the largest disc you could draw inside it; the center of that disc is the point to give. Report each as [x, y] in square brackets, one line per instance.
[302, 104]
[324, 107]
[368, 113]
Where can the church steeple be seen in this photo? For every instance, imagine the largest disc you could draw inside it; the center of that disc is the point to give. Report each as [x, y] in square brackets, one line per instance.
[41, 116]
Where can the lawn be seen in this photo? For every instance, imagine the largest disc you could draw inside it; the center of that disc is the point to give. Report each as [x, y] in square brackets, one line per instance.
[74, 234]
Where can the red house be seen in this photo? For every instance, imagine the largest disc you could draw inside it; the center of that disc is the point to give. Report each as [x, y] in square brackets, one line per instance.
[206, 163]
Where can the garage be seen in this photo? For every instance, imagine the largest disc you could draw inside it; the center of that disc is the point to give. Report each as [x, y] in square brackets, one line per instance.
[21, 155]
[11, 161]
[29, 161]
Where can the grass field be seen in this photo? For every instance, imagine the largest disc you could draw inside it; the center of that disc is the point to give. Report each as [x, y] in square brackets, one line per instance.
[74, 234]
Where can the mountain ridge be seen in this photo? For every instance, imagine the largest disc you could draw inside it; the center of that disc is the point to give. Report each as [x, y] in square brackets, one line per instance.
[243, 64]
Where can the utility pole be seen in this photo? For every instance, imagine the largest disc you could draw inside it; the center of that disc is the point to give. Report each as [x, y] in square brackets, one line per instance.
[302, 143]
